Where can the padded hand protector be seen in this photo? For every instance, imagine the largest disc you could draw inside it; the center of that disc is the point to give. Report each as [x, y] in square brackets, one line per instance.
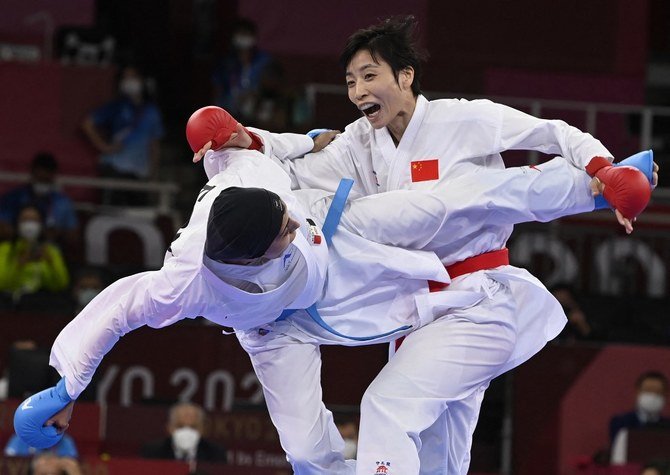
[209, 123]
[215, 124]
[627, 184]
[34, 412]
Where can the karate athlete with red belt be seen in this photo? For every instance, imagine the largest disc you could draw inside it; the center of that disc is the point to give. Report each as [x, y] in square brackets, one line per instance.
[243, 272]
[492, 195]
[437, 379]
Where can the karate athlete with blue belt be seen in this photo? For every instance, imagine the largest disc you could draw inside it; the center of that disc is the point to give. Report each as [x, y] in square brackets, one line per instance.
[253, 249]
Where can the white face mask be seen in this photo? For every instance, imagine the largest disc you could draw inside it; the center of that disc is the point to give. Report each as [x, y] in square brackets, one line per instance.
[30, 230]
[350, 447]
[131, 87]
[185, 439]
[650, 403]
[244, 42]
[43, 188]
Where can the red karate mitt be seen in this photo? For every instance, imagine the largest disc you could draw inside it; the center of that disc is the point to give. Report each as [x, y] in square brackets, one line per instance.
[626, 188]
[215, 124]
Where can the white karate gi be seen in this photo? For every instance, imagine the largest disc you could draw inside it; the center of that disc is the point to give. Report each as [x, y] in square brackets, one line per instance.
[189, 284]
[372, 288]
[439, 375]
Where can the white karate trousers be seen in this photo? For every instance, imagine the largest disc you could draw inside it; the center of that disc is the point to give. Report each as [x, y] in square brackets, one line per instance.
[419, 414]
[290, 372]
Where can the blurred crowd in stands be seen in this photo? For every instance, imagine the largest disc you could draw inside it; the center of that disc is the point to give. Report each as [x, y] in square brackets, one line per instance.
[41, 232]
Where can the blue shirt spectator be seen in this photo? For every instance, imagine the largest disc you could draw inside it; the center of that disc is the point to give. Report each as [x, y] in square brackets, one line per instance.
[17, 448]
[127, 129]
[56, 208]
[238, 76]
[134, 127]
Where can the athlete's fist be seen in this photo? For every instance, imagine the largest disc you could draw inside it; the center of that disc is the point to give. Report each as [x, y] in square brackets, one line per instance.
[625, 188]
[41, 420]
[214, 128]
[209, 123]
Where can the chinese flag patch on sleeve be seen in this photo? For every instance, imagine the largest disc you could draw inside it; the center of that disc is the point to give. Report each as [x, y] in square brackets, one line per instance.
[425, 170]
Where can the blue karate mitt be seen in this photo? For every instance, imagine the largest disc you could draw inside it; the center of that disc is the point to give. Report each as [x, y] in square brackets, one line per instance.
[32, 414]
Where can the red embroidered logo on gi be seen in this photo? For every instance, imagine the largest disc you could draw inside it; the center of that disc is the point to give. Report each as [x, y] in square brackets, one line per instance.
[425, 170]
[535, 168]
[383, 468]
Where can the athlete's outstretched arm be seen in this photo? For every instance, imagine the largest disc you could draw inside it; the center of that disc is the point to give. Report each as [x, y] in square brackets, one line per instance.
[127, 304]
[420, 219]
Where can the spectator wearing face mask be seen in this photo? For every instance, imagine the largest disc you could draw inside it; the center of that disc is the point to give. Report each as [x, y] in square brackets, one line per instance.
[652, 388]
[126, 131]
[28, 263]
[87, 285]
[237, 78]
[185, 440]
[61, 223]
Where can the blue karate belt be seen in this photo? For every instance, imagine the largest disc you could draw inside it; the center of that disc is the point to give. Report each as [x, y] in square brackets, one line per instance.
[329, 227]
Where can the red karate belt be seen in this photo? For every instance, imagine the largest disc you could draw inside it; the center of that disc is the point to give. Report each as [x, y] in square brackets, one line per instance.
[488, 260]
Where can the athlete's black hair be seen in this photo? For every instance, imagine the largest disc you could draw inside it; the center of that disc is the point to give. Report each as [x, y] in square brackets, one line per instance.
[392, 40]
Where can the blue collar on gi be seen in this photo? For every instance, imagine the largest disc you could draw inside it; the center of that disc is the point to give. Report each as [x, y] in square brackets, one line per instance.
[329, 227]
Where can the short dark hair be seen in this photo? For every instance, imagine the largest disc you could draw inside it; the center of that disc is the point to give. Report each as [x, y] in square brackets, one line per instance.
[245, 25]
[652, 375]
[46, 161]
[30, 205]
[392, 40]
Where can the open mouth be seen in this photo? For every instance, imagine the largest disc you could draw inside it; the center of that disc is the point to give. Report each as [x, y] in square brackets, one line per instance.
[370, 110]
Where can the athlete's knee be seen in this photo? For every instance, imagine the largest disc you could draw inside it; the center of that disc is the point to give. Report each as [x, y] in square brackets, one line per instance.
[301, 453]
[308, 451]
[306, 459]
[378, 395]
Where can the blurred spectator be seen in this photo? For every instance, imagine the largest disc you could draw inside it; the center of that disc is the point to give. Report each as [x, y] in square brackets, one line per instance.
[237, 78]
[18, 345]
[578, 326]
[51, 464]
[17, 448]
[278, 108]
[87, 285]
[42, 192]
[28, 263]
[127, 131]
[185, 441]
[348, 427]
[654, 469]
[25, 373]
[651, 388]
[657, 467]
